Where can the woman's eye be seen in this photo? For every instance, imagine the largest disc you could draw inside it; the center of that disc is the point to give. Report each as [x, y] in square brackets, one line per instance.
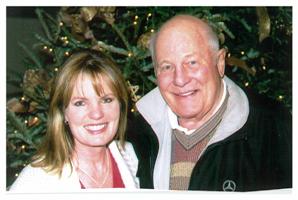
[107, 100]
[79, 103]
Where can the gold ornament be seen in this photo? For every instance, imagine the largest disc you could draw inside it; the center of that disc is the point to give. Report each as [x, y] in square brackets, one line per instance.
[14, 105]
[88, 13]
[264, 23]
[34, 78]
[233, 61]
[133, 90]
[33, 106]
[79, 27]
[33, 121]
[107, 13]
[78, 19]
[144, 40]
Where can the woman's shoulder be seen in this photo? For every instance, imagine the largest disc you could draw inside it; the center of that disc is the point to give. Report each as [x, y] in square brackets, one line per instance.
[29, 176]
[37, 179]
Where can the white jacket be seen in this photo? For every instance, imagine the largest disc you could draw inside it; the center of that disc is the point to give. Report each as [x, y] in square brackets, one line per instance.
[36, 180]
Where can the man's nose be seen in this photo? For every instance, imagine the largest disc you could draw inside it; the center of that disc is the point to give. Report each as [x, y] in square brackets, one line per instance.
[181, 76]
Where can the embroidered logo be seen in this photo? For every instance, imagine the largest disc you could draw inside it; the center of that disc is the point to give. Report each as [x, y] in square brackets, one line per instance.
[229, 186]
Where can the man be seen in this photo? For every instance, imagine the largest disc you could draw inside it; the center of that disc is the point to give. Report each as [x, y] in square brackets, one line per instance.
[204, 132]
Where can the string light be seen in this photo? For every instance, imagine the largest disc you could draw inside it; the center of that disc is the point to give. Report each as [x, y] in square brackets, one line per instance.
[152, 30]
[229, 55]
[64, 40]
[66, 53]
[50, 50]
[149, 14]
[23, 146]
[15, 131]
[61, 24]
[135, 23]
[45, 47]
[264, 67]
[23, 98]
[132, 110]
[16, 175]
[242, 52]
[56, 69]
[26, 121]
[129, 54]
[280, 97]
[246, 84]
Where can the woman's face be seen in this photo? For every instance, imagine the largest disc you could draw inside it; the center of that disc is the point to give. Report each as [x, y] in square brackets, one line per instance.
[93, 119]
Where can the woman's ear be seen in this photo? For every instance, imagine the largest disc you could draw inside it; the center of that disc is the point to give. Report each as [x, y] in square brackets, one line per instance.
[221, 56]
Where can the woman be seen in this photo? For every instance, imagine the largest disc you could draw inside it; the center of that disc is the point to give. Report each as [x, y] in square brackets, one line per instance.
[84, 146]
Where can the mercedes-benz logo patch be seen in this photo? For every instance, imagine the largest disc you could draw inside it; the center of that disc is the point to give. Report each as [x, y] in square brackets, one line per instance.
[229, 186]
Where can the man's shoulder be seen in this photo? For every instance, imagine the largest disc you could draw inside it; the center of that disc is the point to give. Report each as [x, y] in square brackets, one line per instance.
[262, 103]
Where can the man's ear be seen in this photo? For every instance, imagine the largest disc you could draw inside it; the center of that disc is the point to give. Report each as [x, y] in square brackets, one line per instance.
[221, 56]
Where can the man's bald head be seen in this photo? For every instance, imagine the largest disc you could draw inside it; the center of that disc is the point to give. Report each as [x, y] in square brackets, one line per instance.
[186, 23]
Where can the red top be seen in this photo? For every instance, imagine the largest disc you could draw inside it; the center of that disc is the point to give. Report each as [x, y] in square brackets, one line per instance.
[117, 179]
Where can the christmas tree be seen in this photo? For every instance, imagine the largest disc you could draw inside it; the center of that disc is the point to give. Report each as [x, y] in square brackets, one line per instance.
[258, 40]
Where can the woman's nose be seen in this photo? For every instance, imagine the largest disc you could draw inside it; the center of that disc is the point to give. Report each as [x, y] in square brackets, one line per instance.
[96, 111]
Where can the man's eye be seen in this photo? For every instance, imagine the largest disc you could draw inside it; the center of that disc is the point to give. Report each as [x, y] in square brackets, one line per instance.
[192, 62]
[164, 68]
[79, 103]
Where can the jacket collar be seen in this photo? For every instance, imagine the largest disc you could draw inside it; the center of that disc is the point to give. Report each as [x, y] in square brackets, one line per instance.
[155, 110]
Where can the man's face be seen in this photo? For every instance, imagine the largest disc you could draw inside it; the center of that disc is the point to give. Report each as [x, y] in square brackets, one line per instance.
[187, 74]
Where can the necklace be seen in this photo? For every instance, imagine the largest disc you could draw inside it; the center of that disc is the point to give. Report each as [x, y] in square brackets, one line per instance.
[97, 184]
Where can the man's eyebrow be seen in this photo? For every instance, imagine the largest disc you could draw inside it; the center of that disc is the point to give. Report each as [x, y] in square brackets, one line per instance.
[164, 61]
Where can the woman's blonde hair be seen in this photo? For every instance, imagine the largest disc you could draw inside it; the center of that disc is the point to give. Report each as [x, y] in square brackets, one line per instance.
[58, 145]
